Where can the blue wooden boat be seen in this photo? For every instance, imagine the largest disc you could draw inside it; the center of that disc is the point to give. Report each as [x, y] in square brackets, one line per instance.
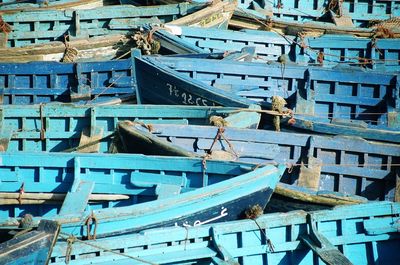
[34, 247]
[348, 96]
[41, 82]
[26, 28]
[162, 191]
[383, 26]
[358, 18]
[11, 6]
[368, 105]
[323, 169]
[216, 15]
[62, 127]
[380, 54]
[357, 234]
[268, 45]
[107, 47]
[342, 13]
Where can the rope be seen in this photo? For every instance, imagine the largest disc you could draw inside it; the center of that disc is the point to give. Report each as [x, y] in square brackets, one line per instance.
[204, 164]
[278, 103]
[20, 192]
[218, 121]
[70, 241]
[70, 53]
[4, 26]
[26, 221]
[336, 6]
[218, 136]
[123, 55]
[320, 58]
[146, 43]
[104, 90]
[66, 236]
[271, 246]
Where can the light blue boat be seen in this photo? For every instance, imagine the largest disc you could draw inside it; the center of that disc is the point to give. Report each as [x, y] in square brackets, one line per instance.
[151, 191]
[12, 6]
[359, 25]
[357, 14]
[379, 54]
[357, 234]
[83, 128]
[34, 27]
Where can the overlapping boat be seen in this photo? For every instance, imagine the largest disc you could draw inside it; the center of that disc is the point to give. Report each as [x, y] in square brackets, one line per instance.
[335, 101]
[324, 169]
[356, 234]
[156, 191]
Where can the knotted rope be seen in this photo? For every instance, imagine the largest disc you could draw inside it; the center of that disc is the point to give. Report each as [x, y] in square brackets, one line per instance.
[70, 241]
[146, 43]
[218, 121]
[4, 26]
[278, 103]
[20, 192]
[70, 53]
[336, 6]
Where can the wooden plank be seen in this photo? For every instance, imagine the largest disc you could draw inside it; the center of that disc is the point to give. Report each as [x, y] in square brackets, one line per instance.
[310, 174]
[77, 200]
[342, 21]
[90, 142]
[321, 246]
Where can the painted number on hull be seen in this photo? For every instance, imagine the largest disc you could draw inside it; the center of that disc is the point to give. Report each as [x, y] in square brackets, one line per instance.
[187, 98]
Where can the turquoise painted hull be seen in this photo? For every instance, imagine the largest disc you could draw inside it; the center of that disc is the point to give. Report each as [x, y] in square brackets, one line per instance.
[34, 27]
[379, 54]
[66, 127]
[365, 234]
[161, 191]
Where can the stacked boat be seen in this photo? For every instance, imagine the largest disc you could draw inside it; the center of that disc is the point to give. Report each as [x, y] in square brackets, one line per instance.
[223, 132]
